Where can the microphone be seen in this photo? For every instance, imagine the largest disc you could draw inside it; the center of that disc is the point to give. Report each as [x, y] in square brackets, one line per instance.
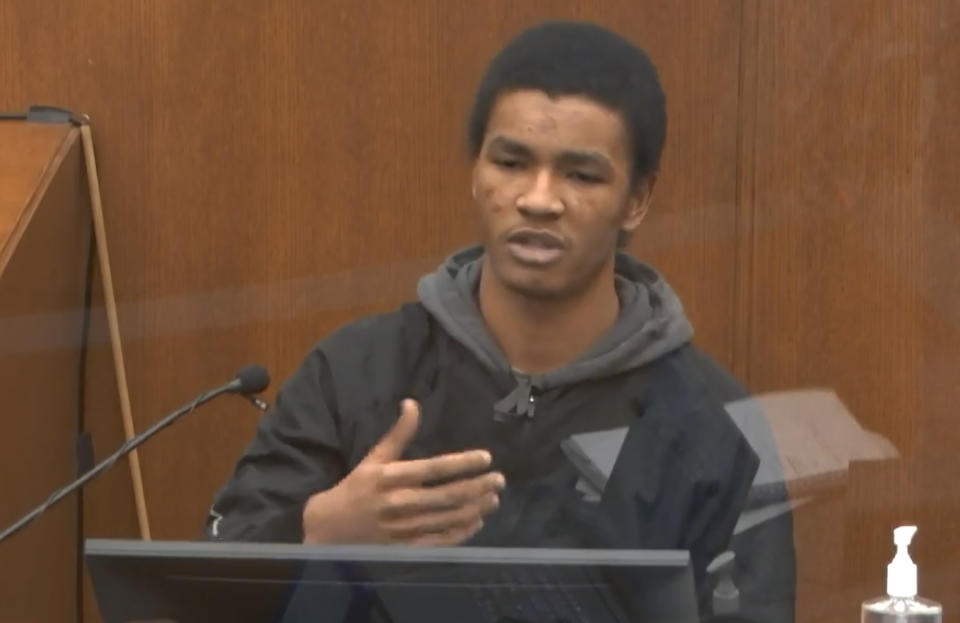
[251, 380]
[248, 381]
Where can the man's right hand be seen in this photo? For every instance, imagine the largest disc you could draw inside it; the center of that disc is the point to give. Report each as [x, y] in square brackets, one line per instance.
[386, 500]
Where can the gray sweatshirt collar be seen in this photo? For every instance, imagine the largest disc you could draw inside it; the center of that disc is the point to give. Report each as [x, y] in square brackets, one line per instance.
[651, 324]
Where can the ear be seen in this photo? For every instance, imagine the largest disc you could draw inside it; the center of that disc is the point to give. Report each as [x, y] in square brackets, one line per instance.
[638, 204]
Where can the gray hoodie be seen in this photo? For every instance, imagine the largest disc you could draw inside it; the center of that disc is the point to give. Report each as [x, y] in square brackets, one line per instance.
[651, 324]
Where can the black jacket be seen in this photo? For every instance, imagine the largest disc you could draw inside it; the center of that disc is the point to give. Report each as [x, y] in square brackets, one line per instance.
[680, 480]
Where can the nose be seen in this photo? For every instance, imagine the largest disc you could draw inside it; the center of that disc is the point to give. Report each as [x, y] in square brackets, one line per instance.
[540, 198]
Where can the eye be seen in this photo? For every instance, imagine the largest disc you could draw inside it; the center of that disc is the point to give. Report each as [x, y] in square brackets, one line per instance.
[507, 163]
[586, 178]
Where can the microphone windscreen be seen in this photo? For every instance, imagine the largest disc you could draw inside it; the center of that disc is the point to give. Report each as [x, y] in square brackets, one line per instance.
[253, 379]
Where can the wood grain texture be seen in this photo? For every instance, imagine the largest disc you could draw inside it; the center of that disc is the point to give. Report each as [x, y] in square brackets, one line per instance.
[852, 281]
[749, 85]
[26, 163]
[41, 294]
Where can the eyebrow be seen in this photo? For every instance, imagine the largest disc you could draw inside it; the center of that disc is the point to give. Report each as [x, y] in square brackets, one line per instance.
[502, 143]
[571, 158]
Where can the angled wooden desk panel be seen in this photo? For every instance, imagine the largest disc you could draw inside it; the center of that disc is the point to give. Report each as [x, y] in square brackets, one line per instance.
[44, 236]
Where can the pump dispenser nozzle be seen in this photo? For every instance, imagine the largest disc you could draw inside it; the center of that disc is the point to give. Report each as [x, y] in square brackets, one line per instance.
[901, 572]
[901, 603]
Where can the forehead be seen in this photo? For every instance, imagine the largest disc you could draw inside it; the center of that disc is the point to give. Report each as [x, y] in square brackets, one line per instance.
[566, 122]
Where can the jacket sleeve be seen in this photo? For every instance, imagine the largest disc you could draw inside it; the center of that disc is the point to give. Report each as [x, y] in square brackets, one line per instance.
[715, 509]
[295, 453]
[765, 572]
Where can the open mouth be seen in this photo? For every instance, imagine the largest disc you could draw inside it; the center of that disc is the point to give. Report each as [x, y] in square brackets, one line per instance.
[535, 247]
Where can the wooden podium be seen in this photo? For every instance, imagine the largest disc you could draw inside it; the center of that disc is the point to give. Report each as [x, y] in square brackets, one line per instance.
[45, 238]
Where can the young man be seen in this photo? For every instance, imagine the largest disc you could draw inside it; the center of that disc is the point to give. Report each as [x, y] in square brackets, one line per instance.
[543, 332]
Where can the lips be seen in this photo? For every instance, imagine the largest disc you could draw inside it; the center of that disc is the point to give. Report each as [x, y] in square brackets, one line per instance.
[535, 247]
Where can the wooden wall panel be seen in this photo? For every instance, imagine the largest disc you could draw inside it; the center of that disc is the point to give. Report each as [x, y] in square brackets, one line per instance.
[852, 275]
[41, 293]
[271, 170]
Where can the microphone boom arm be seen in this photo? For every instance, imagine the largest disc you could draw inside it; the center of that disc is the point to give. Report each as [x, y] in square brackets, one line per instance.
[234, 386]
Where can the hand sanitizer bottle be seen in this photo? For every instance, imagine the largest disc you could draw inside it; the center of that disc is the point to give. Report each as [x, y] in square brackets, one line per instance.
[901, 605]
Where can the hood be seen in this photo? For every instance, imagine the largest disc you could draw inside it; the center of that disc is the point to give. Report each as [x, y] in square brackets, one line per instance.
[651, 324]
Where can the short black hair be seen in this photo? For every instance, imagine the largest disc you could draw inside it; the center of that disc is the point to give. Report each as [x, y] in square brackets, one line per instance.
[580, 58]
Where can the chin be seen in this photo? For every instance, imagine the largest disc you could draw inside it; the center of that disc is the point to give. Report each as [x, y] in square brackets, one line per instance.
[534, 283]
[544, 283]
[538, 291]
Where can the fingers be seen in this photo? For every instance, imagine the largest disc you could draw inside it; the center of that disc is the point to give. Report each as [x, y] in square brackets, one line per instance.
[454, 536]
[391, 446]
[413, 501]
[407, 528]
[438, 468]
[398, 507]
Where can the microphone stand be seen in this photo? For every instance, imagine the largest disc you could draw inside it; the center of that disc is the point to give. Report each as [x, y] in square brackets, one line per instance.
[107, 463]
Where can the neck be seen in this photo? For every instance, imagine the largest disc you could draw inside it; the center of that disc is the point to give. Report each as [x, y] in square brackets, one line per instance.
[539, 334]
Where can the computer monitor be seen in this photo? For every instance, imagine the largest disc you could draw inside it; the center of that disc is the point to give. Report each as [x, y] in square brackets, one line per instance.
[191, 582]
